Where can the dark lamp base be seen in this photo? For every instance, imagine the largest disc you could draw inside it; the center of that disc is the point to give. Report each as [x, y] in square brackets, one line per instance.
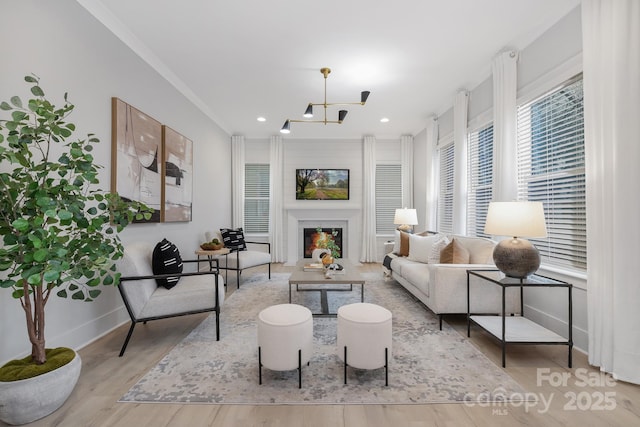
[516, 257]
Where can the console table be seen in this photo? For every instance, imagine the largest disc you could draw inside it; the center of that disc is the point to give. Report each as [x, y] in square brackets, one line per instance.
[518, 329]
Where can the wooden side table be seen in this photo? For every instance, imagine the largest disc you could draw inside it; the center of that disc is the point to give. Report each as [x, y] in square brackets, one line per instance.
[214, 256]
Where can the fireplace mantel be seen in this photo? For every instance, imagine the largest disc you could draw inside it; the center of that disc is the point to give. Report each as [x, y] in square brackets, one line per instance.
[321, 215]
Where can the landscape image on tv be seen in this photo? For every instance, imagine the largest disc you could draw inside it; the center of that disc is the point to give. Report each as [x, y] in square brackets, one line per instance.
[322, 184]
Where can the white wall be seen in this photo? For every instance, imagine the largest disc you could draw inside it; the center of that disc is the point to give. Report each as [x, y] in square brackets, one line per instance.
[71, 52]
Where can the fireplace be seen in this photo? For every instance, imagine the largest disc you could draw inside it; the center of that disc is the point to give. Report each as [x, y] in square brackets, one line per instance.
[312, 237]
[348, 220]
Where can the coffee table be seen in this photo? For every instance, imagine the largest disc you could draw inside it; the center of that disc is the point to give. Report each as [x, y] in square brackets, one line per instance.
[308, 279]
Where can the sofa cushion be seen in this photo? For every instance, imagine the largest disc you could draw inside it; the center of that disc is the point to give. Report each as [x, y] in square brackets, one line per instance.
[426, 248]
[436, 249]
[480, 248]
[233, 239]
[454, 253]
[420, 247]
[417, 273]
[166, 260]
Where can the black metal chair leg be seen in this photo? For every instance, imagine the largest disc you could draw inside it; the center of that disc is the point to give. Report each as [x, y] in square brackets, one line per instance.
[218, 323]
[126, 341]
[269, 271]
[259, 365]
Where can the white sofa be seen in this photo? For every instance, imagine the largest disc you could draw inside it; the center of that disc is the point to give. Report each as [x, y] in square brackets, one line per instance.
[443, 287]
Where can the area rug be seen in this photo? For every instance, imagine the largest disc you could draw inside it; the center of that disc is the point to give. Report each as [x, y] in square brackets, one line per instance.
[427, 365]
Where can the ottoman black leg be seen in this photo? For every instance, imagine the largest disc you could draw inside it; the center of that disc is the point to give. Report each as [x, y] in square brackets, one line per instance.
[300, 368]
[259, 365]
[345, 365]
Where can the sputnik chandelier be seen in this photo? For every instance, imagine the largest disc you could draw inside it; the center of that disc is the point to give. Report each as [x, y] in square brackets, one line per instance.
[309, 111]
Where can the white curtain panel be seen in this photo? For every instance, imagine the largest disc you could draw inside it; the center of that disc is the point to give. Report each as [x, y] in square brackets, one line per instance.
[611, 53]
[369, 249]
[276, 206]
[237, 180]
[460, 112]
[406, 159]
[505, 154]
[431, 162]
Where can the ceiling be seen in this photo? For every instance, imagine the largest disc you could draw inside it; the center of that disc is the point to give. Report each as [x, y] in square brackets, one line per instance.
[241, 59]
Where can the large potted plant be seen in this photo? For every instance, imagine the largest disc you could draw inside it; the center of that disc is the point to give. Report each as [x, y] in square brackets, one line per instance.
[59, 237]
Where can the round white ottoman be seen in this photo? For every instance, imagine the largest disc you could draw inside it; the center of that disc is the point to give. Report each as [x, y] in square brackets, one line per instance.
[285, 338]
[364, 337]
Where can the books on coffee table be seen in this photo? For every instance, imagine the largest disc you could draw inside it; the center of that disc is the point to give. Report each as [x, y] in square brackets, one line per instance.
[315, 266]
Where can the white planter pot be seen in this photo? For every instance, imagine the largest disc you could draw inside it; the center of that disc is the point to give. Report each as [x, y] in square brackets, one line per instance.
[24, 401]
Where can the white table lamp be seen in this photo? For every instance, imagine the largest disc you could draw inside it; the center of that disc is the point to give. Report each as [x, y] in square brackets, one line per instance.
[516, 257]
[405, 219]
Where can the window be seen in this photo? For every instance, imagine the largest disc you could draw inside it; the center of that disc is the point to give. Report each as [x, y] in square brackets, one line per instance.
[551, 169]
[388, 196]
[256, 198]
[480, 173]
[445, 194]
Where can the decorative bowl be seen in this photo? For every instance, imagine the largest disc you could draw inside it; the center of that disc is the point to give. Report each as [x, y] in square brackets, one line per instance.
[211, 246]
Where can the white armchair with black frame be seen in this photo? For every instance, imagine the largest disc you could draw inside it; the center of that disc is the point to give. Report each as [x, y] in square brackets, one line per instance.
[148, 296]
[241, 257]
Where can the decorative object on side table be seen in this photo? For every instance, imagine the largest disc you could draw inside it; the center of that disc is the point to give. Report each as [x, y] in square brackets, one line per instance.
[405, 219]
[516, 257]
[213, 245]
[60, 236]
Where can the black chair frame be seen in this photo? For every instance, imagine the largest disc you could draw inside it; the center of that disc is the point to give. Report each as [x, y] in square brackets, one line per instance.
[135, 320]
[234, 249]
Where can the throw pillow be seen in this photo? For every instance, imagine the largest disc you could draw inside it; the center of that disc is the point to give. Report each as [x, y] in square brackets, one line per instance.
[166, 260]
[233, 239]
[420, 247]
[404, 244]
[436, 249]
[454, 253]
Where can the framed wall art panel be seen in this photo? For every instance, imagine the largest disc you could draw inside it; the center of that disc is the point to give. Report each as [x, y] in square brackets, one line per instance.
[136, 157]
[178, 176]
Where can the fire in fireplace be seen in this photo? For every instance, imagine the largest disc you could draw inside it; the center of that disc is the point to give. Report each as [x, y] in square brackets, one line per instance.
[313, 237]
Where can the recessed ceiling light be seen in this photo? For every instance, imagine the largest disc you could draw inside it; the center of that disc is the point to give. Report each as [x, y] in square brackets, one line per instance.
[384, 120]
[262, 119]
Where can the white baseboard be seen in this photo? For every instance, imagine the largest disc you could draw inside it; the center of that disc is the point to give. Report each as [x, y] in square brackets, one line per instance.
[559, 326]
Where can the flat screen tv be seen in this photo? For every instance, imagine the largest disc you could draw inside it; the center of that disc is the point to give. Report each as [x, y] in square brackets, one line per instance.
[322, 184]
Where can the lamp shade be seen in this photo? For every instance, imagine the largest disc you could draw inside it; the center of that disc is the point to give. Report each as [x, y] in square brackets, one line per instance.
[405, 216]
[517, 219]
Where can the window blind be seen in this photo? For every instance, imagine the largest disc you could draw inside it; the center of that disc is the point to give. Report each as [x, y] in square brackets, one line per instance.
[445, 194]
[480, 176]
[256, 198]
[388, 196]
[551, 169]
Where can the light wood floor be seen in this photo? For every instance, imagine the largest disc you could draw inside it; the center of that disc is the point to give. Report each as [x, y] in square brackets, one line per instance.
[106, 377]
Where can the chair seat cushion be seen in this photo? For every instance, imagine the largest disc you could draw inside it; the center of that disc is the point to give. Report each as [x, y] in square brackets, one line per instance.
[192, 293]
[246, 259]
